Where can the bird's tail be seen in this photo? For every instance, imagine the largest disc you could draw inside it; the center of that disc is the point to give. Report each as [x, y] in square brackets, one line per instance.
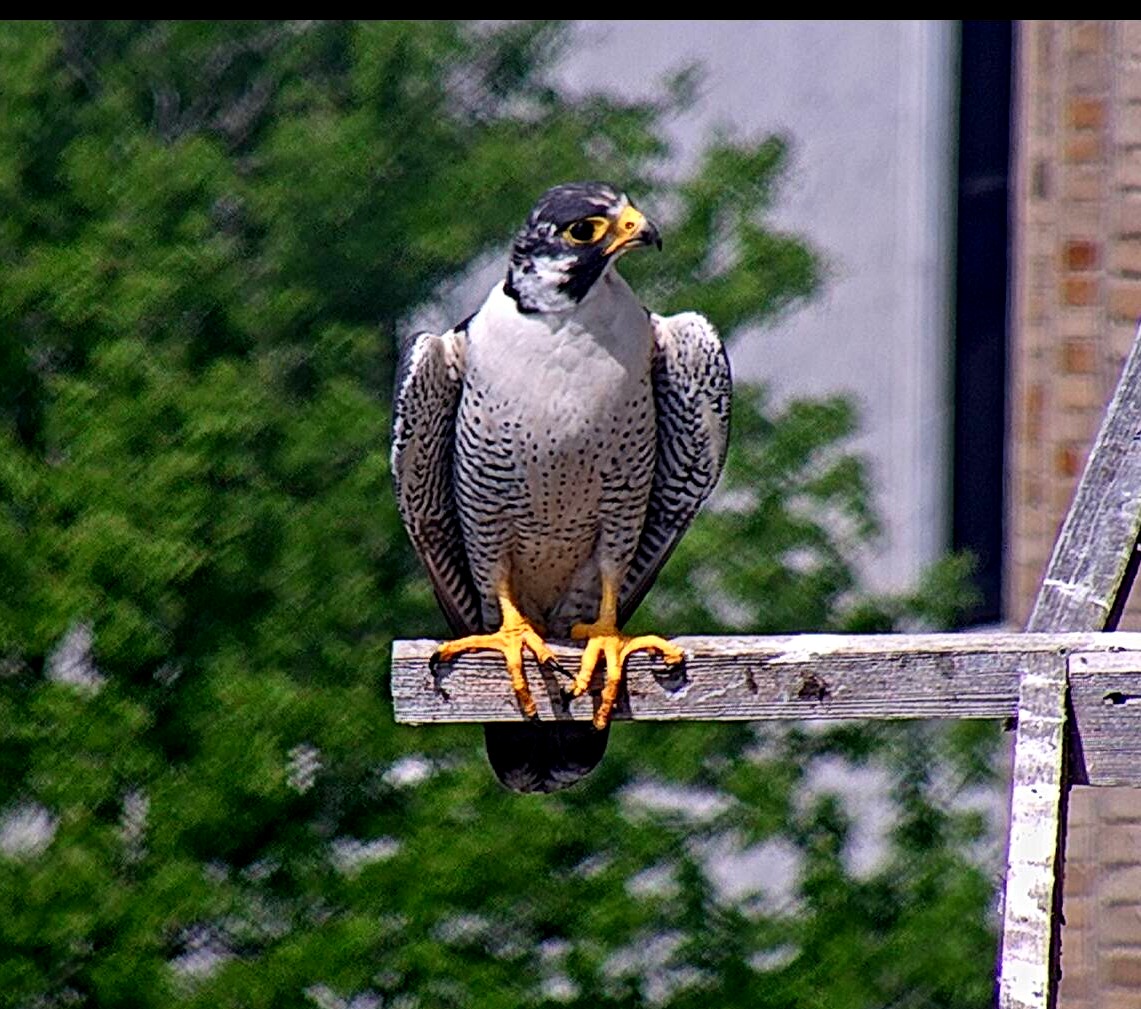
[543, 756]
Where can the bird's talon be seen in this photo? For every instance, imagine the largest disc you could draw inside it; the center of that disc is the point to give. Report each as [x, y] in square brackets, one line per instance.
[433, 662]
[553, 665]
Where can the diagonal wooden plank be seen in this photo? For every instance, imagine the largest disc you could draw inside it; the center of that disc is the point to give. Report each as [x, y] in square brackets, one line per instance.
[1086, 575]
[1084, 589]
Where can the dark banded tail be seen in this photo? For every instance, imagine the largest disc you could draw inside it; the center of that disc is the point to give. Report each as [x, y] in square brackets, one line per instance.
[543, 756]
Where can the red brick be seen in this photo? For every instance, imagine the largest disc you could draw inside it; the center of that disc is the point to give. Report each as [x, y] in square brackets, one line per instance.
[1084, 149]
[1067, 461]
[1079, 357]
[1087, 36]
[1079, 254]
[1087, 113]
[1079, 291]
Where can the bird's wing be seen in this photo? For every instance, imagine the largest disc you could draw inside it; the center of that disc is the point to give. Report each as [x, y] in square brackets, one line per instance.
[428, 384]
[692, 391]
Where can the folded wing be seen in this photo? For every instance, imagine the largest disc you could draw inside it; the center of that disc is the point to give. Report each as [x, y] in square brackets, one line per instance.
[692, 393]
[428, 385]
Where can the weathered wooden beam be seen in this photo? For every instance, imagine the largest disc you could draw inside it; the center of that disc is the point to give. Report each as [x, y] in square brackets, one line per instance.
[1087, 575]
[1084, 589]
[1105, 704]
[754, 678]
[1027, 973]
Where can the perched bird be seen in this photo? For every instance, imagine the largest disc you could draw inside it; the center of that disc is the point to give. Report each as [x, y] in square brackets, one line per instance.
[548, 453]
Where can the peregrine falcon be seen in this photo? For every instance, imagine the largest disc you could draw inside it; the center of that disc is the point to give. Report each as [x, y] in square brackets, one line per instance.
[548, 453]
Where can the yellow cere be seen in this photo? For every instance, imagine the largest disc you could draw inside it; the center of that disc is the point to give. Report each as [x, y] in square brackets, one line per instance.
[628, 226]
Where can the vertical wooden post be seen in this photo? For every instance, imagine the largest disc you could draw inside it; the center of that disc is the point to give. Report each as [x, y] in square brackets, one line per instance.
[1086, 583]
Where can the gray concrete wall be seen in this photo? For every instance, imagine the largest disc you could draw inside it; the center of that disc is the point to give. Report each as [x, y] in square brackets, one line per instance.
[870, 107]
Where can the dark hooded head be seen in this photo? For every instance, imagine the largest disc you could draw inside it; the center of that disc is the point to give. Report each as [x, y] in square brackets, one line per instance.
[573, 234]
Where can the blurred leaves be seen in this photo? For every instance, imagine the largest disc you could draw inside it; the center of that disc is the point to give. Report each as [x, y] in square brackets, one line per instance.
[211, 234]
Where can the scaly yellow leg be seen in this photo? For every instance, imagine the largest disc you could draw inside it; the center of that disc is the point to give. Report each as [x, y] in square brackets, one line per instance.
[604, 640]
[515, 633]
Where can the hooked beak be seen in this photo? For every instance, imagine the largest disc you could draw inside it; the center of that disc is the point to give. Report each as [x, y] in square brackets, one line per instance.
[631, 230]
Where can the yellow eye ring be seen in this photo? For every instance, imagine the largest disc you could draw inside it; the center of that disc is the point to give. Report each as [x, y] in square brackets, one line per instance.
[587, 231]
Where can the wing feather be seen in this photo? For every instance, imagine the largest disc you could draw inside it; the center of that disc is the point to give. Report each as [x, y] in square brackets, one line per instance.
[692, 393]
[428, 385]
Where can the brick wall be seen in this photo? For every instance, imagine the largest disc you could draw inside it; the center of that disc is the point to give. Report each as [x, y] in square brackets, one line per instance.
[1074, 310]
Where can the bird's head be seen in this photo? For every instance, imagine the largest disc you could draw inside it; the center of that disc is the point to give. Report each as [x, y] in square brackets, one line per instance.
[574, 233]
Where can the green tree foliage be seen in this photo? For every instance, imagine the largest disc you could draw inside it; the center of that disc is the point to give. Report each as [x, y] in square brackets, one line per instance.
[212, 234]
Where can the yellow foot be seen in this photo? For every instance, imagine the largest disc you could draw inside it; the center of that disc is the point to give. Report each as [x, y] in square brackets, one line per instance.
[510, 640]
[604, 640]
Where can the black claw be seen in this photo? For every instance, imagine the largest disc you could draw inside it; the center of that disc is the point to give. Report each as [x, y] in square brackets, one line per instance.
[555, 666]
[433, 662]
[566, 696]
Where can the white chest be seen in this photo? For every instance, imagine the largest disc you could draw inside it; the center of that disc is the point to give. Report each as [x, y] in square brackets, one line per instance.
[559, 374]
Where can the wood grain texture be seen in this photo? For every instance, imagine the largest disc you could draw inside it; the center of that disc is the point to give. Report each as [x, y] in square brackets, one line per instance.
[1087, 570]
[1105, 700]
[756, 678]
[1027, 972]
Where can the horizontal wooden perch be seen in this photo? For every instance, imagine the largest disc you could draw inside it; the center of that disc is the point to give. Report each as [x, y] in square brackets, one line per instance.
[817, 676]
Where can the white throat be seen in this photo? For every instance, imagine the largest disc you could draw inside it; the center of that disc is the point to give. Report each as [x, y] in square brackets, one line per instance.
[538, 289]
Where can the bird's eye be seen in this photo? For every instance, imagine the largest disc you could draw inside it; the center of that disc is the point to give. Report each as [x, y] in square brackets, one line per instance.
[586, 231]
